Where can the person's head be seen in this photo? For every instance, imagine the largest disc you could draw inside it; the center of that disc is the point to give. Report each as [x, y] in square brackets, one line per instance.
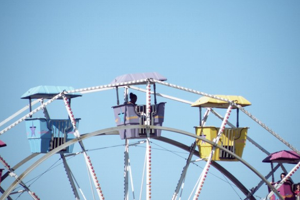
[282, 175]
[298, 186]
[133, 98]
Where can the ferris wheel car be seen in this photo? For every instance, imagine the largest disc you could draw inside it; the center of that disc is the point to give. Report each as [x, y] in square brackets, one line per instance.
[233, 139]
[45, 134]
[129, 114]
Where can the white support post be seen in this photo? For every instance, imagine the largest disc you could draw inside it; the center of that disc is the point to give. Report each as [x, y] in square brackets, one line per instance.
[126, 170]
[45, 111]
[148, 170]
[184, 171]
[86, 157]
[127, 173]
[131, 179]
[208, 163]
[183, 174]
[148, 146]
[68, 171]
[148, 104]
[125, 94]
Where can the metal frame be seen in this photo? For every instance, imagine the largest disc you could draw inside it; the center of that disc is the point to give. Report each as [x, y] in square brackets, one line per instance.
[114, 131]
[149, 81]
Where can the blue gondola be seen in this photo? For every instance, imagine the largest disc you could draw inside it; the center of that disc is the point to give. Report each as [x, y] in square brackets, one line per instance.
[129, 114]
[45, 134]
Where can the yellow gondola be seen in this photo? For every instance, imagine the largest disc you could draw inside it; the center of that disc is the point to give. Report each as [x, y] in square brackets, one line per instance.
[216, 103]
[233, 139]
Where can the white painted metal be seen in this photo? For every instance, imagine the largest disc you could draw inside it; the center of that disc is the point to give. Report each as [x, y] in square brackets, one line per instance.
[18, 113]
[114, 131]
[207, 166]
[69, 175]
[180, 184]
[131, 179]
[86, 157]
[233, 104]
[126, 168]
[20, 182]
[163, 95]
[148, 146]
[110, 86]
[29, 114]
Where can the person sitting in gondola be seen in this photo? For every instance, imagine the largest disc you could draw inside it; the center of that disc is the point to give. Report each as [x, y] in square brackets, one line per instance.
[282, 175]
[133, 99]
[288, 181]
[285, 190]
[297, 191]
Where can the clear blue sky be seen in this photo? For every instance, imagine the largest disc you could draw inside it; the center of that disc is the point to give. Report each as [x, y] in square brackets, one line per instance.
[247, 48]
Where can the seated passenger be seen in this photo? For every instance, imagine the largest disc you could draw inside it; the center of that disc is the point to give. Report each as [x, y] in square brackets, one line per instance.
[297, 191]
[285, 190]
[133, 99]
[288, 181]
[282, 175]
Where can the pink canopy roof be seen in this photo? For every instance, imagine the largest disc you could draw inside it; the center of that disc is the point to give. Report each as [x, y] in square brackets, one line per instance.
[283, 156]
[2, 144]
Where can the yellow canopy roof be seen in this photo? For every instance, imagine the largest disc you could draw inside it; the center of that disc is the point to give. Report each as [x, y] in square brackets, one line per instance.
[216, 103]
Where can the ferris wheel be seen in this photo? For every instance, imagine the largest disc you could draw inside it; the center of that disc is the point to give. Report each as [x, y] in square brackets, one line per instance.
[139, 125]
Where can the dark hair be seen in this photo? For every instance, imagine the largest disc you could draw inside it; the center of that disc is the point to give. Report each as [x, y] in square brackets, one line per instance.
[133, 98]
[284, 174]
[131, 95]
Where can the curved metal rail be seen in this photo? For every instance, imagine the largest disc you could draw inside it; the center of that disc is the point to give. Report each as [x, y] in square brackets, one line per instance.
[114, 131]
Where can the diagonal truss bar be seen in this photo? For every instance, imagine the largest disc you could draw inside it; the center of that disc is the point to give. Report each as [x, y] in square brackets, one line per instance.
[253, 190]
[259, 147]
[82, 90]
[233, 104]
[14, 169]
[185, 168]
[14, 175]
[184, 171]
[69, 174]
[189, 102]
[17, 113]
[29, 114]
[87, 158]
[208, 163]
[268, 129]
[248, 138]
